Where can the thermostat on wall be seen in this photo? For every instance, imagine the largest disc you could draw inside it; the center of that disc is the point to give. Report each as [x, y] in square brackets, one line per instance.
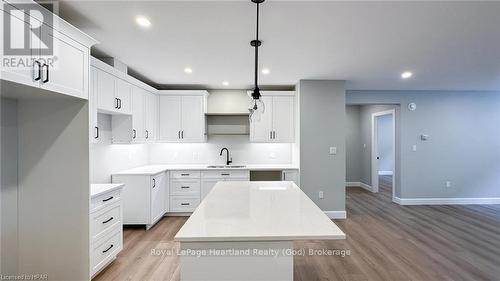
[412, 106]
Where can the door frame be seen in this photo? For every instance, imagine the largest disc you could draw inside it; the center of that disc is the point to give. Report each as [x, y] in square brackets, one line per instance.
[374, 150]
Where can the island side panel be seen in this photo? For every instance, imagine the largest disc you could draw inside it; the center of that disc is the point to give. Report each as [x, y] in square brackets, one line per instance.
[252, 260]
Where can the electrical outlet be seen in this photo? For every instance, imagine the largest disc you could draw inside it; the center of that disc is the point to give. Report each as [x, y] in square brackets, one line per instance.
[272, 155]
[321, 196]
[333, 150]
[448, 184]
[414, 147]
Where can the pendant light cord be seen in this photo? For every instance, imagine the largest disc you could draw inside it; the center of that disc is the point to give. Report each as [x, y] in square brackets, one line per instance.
[257, 49]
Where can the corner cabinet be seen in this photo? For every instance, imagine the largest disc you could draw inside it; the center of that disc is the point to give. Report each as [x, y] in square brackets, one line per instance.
[277, 124]
[182, 116]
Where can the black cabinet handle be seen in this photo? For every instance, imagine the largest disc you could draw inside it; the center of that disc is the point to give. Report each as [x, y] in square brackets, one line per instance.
[154, 183]
[224, 174]
[116, 103]
[46, 73]
[182, 134]
[184, 186]
[147, 134]
[119, 103]
[105, 200]
[135, 134]
[184, 204]
[184, 175]
[96, 132]
[108, 220]
[109, 248]
[39, 71]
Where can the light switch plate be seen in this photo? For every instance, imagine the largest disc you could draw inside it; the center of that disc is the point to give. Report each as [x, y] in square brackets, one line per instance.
[333, 150]
[320, 195]
[414, 147]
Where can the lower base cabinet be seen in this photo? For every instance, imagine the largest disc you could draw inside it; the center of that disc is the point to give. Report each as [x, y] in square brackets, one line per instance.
[144, 198]
[106, 231]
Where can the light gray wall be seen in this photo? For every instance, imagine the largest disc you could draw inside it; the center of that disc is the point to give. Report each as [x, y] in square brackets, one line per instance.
[322, 125]
[353, 143]
[385, 143]
[9, 161]
[464, 144]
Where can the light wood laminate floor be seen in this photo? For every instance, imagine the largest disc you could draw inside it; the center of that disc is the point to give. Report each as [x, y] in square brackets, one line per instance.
[386, 242]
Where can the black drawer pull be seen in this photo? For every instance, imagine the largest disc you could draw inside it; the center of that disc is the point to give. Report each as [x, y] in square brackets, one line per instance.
[105, 200]
[108, 220]
[184, 175]
[108, 249]
[225, 174]
[184, 204]
[184, 186]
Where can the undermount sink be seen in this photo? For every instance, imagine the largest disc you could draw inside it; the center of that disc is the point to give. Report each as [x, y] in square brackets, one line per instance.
[225, 167]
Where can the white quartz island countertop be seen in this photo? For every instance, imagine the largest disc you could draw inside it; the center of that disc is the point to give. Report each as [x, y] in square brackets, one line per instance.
[257, 211]
[156, 169]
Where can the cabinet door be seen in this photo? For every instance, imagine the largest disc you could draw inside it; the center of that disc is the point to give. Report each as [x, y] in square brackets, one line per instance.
[170, 118]
[157, 197]
[207, 185]
[260, 130]
[193, 119]
[124, 94]
[283, 119]
[152, 117]
[138, 121]
[106, 91]
[93, 127]
[68, 74]
[290, 175]
[30, 74]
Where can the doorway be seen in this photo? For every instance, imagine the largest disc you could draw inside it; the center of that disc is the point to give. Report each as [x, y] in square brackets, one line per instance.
[383, 148]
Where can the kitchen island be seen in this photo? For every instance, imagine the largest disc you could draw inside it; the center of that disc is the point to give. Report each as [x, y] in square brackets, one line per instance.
[245, 231]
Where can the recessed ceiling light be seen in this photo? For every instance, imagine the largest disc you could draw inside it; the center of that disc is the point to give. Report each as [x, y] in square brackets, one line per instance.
[406, 75]
[225, 83]
[266, 71]
[142, 21]
[188, 70]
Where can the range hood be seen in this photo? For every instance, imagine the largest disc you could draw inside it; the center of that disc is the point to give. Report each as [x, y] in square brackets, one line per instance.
[227, 112]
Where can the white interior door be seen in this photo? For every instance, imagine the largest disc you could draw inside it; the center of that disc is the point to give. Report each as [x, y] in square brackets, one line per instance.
[193, 125]
[261, 130]
[170, 118]
[283, 119]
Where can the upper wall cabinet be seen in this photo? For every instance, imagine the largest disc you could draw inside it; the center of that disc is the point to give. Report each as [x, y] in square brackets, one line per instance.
[114, 94]
[182, 116]
[62, 67]
[151, 117]
[277, 124]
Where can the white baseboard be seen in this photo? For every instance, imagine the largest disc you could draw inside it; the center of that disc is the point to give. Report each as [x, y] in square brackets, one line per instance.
[360, 184]
[177, 214]
[446, 201]
[336, 214]
[385, 173]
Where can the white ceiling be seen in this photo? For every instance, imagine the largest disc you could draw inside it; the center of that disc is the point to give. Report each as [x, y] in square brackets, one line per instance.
[448, 45]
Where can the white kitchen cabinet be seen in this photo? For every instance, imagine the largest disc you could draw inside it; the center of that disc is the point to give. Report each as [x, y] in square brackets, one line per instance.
[185, 189]
[138, 114]
[210, 178]
[143, 198]
[114, 93]
[106, 100]
[93, 125]
[65, 70]
[23, 75]
[182, 116]
[124, 96]
[277, 124]
[68, 73]
[151, 116]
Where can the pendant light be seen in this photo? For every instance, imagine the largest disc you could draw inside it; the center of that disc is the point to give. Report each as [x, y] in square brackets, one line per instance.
[256, 106]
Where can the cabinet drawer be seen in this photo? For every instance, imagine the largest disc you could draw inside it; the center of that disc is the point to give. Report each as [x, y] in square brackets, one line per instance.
[104, 200]
[102, 221]
[185, 187]
[105, 250]
[223, 174]
[183, 204]
[185, 174]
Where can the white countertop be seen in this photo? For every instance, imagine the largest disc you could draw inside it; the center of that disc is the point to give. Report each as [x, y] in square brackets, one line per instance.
[156, 169]
[257, 211]
[99, 189]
